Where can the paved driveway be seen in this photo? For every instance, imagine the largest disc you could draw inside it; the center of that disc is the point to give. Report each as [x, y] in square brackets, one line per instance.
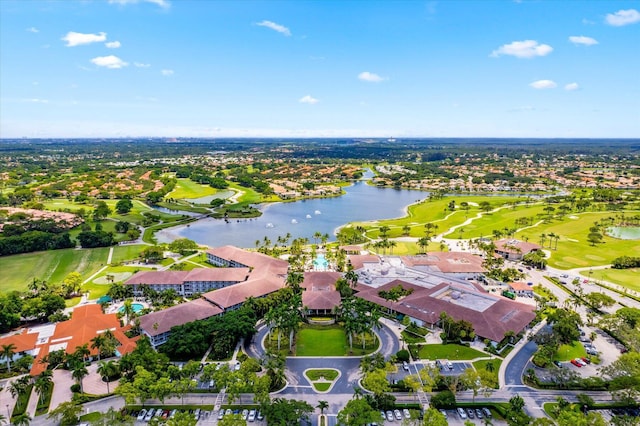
[62, 388]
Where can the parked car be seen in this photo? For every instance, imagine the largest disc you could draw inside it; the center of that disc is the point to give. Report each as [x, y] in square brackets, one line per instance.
[252, 415]
[479, 413]
[259, 416]
[405, 366]
[245, 414]
[142, 414]
[557, 364]
[150, 414]
[220, 414]
[586, 360]
[487, 412]
[406, 413]
[576, 363]
[444, 413]
[383, 415]
[390, 416]
[228, 412]
[592, 351]
[462, 413]
[397, 414]
[449, 365]
[470, 413]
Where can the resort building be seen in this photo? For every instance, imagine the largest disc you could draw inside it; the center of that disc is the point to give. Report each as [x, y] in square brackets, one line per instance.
[514, 249]
[240, 275]
[87, 322]
[319, 295]
[440, 282]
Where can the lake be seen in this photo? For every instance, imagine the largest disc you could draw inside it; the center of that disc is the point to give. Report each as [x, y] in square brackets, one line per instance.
[624, 232]
[300, 218]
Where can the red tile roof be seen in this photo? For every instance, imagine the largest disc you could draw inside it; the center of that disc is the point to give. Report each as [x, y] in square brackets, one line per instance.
[183, 313]
[505, 245]
[358, 260]
[23, 342]
[447, 262]
[320, 290]
[257, 261]
[493, 317]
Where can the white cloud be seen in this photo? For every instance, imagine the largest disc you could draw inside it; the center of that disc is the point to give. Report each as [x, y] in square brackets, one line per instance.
[76, 39]
[587, 41]
[141, 65]
[543, 84]
[523, 49]
[167, 72]
[33, 30]
[113, 44]
[162, 3]
[308, 100]
[110, 61]
[571, 86]
[370, 77]
[623, 17]
[36, 101]
[276, 27]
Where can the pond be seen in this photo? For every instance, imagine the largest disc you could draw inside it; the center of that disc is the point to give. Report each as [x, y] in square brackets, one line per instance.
[624, 232]
[303, 218]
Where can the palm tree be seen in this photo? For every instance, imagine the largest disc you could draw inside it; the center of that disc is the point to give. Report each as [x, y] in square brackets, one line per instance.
[108, 369]
[82, 352]
[322, 405]
[392, 244]
[7, 352]
[316, 236]
[98, 343]
[406, 230]
[43, 383]
[21, 420]
[19, 387]
[79, 373]
[294, 279]
[127, 310]
[423, 242]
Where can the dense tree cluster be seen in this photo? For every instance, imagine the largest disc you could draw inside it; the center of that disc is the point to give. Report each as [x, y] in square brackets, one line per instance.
[223, 332]
[625, 262]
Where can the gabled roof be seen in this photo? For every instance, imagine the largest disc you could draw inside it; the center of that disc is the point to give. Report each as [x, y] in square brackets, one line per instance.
[251, 259]
[183, 313]
[320, 290]
[23, 342]
[158, 277]
[491, 316]
[516, 246]
[358, 260]
[218, 274]
[233, 295]
[447, 262]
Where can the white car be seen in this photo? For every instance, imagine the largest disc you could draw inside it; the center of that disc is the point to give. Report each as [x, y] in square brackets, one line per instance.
[150, 414]
[252, 415]
[406, 413]
[220, 414]
[397, 414]
[462, 413]
[142, 414]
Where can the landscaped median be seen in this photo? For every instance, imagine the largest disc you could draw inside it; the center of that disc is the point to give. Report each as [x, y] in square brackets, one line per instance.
[322, 379]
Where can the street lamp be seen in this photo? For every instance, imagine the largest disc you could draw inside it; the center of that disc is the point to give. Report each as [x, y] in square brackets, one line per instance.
[8, 413]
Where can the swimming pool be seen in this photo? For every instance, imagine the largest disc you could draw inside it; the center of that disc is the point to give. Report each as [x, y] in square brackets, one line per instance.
[320, 263]
[137, 307]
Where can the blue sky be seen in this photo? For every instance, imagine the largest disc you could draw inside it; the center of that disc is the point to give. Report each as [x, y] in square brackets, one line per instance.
[115, 68]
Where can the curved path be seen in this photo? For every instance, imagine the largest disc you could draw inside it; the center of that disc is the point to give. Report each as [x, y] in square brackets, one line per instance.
[348, 365]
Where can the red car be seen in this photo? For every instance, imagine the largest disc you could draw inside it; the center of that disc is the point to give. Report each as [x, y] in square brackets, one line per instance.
[587, 360]
[576, 363]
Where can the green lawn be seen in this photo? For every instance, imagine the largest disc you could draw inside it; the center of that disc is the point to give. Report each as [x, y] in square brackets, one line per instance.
[434, 211]
[482, 365]
[321, 386]
[629, 278]
[569, 352]
[325, 340]
[573, 249]
[451, 352]
[126, 252]
[186, 188]
[505, 218]
[52, 266]
[326, 374]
